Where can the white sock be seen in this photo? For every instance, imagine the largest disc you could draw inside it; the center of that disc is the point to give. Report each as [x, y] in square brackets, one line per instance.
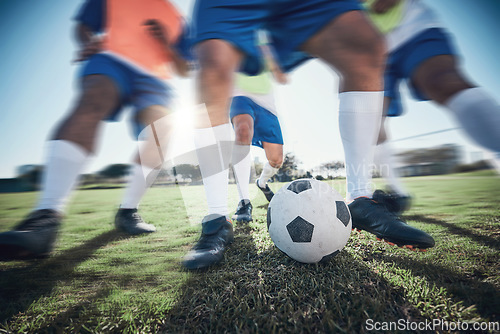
[213, 148]
[360, 114]
[479, 115]
[385, 162]
[267, 172]
[64, 162]
[141, 178]
[242, 164]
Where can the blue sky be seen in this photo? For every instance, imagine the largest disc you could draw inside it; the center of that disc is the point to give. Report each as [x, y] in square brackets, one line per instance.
[37, 86]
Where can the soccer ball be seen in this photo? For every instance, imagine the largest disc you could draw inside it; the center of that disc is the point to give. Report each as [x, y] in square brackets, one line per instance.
[308, 220]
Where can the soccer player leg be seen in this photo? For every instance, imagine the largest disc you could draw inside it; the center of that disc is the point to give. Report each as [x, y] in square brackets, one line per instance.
[274, 155]
[218, 61]
[268, 135]
[241, 161]
[396, 199]
[352, 46]
[153, 141]
[65, 158]
[475, 110]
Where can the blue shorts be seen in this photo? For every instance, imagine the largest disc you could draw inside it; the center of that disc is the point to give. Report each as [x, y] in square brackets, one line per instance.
[405, 60]
[266, 127]
[290, 23]
[138, 90]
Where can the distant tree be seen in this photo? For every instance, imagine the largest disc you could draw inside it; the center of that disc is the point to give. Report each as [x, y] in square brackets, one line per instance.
[307, 175]
[288, 169]
[258, 167]
[441, 159]
[442, 153]
[332, 167]
[188, 171]
[163, 173]
[115, 171]
[31, 175]
[478, 165]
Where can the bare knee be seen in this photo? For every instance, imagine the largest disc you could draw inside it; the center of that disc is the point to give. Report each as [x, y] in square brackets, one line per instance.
[244, 133]
[439, 78]
[275, 162]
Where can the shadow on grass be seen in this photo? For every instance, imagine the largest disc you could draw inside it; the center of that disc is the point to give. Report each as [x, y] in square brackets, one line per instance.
[263, 206]
[482, 239]
[259, 289]
[468, 289]
[21, 286]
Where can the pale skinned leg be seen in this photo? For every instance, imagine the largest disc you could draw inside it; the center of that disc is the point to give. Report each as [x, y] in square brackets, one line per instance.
[150, 156]
[241, 159]
[274, 154]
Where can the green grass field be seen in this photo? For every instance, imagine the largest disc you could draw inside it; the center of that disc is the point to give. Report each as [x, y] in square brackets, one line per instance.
[100, 280]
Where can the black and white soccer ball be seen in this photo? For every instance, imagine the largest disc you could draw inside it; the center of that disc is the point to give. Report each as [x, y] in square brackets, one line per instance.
[308, 220]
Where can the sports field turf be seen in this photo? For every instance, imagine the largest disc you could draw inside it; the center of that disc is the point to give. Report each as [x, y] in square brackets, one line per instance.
[100, 280]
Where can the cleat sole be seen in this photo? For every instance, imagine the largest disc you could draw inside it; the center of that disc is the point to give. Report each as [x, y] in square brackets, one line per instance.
[413, 248]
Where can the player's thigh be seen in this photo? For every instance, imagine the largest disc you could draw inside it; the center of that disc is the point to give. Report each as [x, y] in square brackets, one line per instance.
[353, 47]
[243, 128]
[99, 97]
[274, 153]
[439, 78]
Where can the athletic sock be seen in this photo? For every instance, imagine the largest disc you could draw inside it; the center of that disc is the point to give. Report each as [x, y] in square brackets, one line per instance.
[267, 172]
[64, 162]
[213, 149]
[385, 162]
[141, 178]
[242, 163]
[360, 115]
[479, 115]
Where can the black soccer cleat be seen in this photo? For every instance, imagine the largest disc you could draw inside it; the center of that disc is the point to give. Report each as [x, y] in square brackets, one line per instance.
[373, 217]
[33, 238]
[243, 211]
[216, 234]
[129, 221]
[267, 191]
[393, 201]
